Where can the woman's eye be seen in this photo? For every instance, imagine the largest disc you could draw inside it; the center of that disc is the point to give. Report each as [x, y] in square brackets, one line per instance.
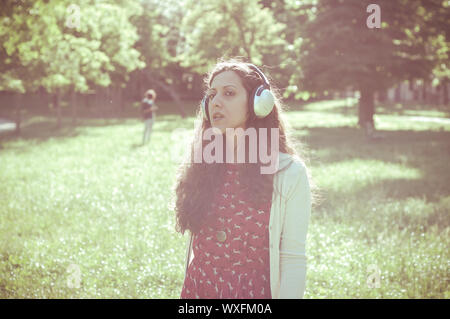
[227, 93]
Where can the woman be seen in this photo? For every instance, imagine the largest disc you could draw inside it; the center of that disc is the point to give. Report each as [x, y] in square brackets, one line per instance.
[247, 229]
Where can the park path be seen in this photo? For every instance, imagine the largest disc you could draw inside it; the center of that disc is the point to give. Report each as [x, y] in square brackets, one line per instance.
[6, 125]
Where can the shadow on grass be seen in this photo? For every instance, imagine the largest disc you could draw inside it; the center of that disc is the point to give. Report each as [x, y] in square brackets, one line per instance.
[347, 143]
[41, 129]
[425, 151]
[394, 191]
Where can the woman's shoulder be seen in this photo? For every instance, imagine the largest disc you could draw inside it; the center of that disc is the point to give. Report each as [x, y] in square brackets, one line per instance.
[292, 163]
[295, 172]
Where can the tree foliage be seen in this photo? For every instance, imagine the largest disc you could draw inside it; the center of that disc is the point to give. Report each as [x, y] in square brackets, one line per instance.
[339, 50]
[313, 46]
[45, 43]
[213, 29]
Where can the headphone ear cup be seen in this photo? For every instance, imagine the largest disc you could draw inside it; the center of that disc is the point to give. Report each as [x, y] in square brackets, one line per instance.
[251, 101]
[205, 108]
[263, 101]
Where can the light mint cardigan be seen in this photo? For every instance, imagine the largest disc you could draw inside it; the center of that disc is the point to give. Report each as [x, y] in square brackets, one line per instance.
[288, 226]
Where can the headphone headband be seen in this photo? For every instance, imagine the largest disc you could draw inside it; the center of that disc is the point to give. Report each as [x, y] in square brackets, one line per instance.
[262, 76]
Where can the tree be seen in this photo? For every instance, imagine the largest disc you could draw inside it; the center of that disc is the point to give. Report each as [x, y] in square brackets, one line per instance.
[43, 47]
[293, 15]
[14, 76]
[159, 35]
[339, 50]
[436, 38]
[212, 29]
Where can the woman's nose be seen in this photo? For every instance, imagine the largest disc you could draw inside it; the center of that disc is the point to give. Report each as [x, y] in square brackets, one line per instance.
[216, 101]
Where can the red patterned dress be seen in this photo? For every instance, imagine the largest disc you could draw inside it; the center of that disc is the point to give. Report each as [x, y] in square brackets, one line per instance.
[231, 253]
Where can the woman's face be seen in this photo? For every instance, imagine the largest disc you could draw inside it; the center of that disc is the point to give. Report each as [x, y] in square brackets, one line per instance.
[227, 96]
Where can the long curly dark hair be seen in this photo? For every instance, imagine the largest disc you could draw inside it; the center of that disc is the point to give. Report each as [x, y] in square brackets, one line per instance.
[197, 183]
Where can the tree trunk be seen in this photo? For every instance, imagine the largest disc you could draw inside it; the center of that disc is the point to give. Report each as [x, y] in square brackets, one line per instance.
[383, 96]
[415, 92]
[18, 102]
[57, 105]
[99, 98]
[424, 91]
[110, 101]
[398, 95]
[73, 101]
[43, 98]
[140, 87]
[445, 92]
[366, 109]
[119, 100]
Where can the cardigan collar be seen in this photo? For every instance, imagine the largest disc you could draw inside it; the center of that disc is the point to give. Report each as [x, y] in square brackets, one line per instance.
[285, 160]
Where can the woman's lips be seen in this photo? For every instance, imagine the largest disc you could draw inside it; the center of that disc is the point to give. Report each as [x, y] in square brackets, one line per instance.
[216, 119]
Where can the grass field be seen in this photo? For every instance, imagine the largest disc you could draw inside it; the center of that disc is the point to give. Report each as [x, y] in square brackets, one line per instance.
[84, 210]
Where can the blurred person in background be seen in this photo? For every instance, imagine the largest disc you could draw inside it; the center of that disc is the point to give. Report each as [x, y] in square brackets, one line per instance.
[148, 114]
